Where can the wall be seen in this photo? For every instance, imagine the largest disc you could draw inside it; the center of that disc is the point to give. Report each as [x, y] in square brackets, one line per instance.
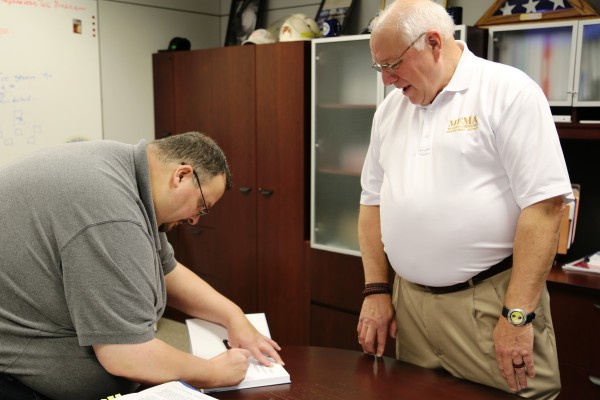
[130, 32]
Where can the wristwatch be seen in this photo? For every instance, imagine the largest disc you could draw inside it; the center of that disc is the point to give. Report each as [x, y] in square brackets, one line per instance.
[517, 317]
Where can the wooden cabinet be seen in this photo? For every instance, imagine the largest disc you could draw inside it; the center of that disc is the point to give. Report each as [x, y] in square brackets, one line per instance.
[575, 300]
[337, 282]
[253, 100]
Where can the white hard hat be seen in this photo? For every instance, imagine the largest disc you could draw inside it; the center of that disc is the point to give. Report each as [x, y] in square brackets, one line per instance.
[260, 36]
[296, 27]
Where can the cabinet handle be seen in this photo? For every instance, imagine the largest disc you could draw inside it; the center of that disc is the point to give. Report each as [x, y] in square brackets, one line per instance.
[165, 134]
[597, 306]
[245, 189]
[197, 232]
[595, 380]
[265, 192]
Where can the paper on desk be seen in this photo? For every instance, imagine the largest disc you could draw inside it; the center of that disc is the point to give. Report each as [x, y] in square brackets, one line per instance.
[167, 391]
[586, 264]
[206, 341]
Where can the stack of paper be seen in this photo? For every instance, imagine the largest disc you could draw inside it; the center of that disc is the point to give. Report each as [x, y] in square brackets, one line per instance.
[206, 340]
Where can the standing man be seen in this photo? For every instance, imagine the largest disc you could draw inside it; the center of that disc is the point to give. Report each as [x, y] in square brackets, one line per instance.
[464, 186]
[86, 270]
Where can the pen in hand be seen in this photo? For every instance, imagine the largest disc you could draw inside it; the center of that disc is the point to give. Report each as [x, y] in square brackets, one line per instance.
[226, 343]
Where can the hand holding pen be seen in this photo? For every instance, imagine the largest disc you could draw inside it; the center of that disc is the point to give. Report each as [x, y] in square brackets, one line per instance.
[266, 357]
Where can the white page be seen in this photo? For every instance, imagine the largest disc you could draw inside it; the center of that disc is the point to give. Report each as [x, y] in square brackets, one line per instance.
[206, 341]
[168, 391]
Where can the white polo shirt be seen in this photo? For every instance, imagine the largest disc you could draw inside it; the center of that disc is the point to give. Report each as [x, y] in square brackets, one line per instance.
[452, 177]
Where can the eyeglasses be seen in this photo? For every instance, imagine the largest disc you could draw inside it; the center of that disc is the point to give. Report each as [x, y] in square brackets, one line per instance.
[391, 68]
[205, 209]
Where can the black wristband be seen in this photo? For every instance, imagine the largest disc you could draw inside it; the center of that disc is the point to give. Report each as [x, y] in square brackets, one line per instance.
[376, 288]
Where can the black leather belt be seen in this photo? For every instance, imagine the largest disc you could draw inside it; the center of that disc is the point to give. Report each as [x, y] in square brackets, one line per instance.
[480, 277]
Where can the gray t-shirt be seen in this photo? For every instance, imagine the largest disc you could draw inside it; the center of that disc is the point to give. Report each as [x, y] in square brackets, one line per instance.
[81, 263]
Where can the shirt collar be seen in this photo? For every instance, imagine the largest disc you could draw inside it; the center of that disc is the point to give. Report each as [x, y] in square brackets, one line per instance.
[461, 79]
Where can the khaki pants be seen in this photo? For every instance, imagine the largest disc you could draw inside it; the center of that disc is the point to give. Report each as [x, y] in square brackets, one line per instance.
[454, 331]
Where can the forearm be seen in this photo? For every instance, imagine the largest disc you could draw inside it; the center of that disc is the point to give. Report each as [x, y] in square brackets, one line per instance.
[376, 318]
[155, 362]
[371, 248]
[190, 294]
[535, 244]
[187, 292]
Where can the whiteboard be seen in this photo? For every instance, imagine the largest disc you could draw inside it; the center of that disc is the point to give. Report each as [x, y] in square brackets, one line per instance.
[49, 74]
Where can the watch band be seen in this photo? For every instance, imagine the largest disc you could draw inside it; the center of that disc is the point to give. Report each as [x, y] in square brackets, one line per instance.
[517, 317]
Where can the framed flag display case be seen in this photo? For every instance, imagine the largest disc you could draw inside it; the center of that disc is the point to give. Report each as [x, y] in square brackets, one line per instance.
[513, 11]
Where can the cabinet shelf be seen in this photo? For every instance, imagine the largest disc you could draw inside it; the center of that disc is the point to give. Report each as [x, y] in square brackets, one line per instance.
[341, 106]
[338, 171]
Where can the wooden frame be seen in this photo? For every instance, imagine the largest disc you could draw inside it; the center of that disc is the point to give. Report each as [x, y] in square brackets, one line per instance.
[244, 17]
[576, 9]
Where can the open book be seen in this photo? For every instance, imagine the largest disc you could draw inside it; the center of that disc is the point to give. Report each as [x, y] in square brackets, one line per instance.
[167, 391]
[207, 341]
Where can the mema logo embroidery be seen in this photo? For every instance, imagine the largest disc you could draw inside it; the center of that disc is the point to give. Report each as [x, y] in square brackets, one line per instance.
[463, 124]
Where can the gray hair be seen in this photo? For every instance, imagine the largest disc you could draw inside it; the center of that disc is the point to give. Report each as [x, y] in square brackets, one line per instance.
[413, 18]
[197, 150]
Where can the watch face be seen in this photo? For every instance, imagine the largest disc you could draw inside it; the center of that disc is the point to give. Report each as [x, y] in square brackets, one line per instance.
[516, 317]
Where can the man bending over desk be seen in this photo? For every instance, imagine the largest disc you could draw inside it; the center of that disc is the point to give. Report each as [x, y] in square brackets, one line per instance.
[86, 269]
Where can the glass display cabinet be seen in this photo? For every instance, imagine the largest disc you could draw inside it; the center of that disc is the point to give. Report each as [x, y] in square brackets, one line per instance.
[345, 93]
[562, 57]
[587, 67]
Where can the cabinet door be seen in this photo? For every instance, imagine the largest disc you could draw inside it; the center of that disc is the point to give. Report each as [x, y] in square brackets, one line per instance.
[282, 83]
[164, 100]
[345, 94]
[164, 110]
[587, 77]
[215, 94]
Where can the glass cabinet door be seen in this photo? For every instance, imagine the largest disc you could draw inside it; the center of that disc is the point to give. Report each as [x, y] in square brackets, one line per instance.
[587, 77]
[345, 93]
[544, 51]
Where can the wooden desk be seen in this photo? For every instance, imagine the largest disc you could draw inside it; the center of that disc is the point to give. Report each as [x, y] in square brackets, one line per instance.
[575, 302]
[321, 373]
